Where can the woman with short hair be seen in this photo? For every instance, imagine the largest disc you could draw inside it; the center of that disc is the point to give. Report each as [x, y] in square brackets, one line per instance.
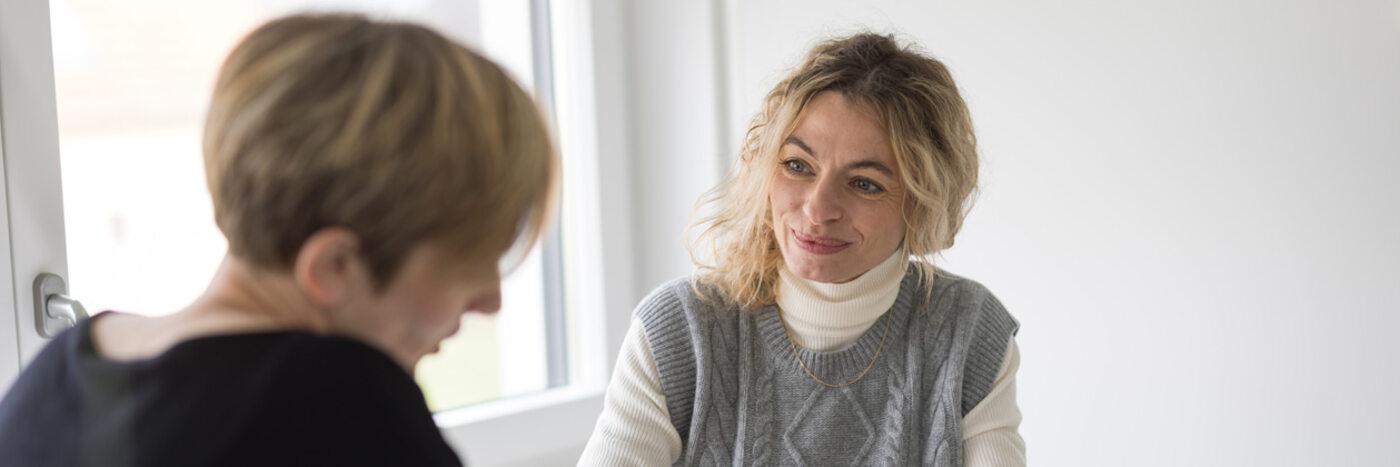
[817, 330]
[369, 177]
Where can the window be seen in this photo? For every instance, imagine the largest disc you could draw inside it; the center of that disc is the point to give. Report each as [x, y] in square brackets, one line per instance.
[113, 95]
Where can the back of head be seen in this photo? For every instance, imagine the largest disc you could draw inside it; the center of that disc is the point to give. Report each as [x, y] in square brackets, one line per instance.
[387, 129]
[927, 123]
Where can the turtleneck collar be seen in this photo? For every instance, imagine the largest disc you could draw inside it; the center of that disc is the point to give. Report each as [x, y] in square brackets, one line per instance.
[827, 317]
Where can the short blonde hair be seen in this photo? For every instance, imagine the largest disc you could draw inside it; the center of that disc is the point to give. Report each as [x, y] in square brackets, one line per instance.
[933, 144]
[385, 128]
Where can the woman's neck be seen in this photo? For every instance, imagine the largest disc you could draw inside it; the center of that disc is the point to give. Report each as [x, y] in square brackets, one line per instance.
[258, 297]
[826, 317]
[239, 299]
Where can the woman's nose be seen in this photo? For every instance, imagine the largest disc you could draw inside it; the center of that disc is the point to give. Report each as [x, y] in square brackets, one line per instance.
[488, 302]
[823, 205]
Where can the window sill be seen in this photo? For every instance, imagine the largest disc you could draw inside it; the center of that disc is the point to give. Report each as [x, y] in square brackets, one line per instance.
[518, 430]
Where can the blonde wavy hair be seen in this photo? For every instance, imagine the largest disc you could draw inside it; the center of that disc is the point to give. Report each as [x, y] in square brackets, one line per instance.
[928, 125]
[386, 128]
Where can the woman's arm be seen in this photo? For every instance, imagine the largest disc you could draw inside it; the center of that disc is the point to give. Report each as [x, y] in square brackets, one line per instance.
[635, 427]
[990, 436]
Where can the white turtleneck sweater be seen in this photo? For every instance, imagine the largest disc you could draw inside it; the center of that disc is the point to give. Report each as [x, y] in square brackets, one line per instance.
[635, 427]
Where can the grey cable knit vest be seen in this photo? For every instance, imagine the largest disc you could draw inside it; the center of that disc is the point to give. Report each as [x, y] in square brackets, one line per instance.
[737, 396]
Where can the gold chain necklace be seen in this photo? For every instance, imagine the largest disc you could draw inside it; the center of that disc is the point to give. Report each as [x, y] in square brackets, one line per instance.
[793, 344]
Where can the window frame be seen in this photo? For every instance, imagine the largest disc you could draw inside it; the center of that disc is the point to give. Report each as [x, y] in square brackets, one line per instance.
[588, 48]
[33, 186]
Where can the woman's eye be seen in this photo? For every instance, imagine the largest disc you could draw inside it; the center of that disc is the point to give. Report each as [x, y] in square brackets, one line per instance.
[866, 186]
[795, 166]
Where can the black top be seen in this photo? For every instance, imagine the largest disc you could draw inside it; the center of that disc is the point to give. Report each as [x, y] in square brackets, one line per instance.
[270, 398]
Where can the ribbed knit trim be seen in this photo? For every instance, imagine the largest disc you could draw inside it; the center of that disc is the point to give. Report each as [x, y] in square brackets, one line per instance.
[843, 365]
[667, 329]
[993, 330]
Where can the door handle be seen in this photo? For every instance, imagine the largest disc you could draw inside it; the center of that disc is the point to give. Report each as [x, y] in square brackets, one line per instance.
[54, 310]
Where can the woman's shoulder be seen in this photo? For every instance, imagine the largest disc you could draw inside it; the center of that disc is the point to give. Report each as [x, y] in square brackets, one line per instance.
[944, 290]
[685, 293]
[685, 306]
[671, 292]
[963, 299]
[312, 381]
[313, 378]
[960, 301]
[305, 360]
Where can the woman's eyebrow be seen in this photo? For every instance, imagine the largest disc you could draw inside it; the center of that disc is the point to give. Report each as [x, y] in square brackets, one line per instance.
[864, 164]
[871, 164]
[799, 143]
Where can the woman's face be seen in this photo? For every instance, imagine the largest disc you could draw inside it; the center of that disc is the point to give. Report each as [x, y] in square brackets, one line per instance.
[424, 303]
[836, 195]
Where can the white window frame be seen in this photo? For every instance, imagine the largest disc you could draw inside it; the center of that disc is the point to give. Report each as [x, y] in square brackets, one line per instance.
[590, 85]
[33, 190]
[550, 426]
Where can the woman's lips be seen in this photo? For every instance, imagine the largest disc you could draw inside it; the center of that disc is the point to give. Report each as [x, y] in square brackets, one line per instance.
[818, 245]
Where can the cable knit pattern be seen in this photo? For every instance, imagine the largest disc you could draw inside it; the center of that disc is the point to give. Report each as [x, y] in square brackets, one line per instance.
[900, 393]
[758, 374]
[753, 405]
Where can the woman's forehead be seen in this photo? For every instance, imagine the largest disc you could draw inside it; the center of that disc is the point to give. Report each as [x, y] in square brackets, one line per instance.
[834, 127]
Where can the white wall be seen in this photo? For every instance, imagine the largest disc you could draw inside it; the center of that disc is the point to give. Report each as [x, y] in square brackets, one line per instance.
[661, 110]
[654, 71]
[1190, 206]
[675, 128]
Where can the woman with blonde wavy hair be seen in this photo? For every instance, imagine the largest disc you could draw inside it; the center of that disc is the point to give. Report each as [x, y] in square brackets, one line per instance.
[817, 330]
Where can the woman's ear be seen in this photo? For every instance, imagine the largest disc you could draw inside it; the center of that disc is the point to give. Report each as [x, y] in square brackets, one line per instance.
[328, 268]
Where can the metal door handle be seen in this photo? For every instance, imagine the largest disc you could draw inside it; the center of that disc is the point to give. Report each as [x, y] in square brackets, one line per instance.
[54, 310]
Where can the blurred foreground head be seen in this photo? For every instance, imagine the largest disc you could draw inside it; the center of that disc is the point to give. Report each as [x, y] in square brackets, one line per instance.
[387, 129]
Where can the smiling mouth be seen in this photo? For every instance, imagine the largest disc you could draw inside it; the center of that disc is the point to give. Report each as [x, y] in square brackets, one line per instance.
[816, 244]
